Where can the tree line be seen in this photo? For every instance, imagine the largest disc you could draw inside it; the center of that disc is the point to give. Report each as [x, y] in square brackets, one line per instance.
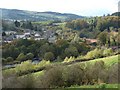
[88, 27]
[21, 49]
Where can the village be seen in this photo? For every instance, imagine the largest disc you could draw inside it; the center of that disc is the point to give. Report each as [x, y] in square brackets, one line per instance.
[9, 36]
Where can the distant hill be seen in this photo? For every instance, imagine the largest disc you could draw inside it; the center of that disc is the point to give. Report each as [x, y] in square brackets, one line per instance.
[15, 14]
[116, 14]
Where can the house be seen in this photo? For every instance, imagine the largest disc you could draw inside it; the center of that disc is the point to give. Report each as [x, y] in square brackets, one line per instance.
[28, 33]
[9, 38]
[10, 32]
[48, 34]
[20, 36]
[56, 24]
[90, 41]
[37, 36]
[52, 39]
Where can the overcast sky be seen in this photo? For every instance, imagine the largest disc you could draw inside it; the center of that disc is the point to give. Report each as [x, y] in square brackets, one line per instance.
[80, 7]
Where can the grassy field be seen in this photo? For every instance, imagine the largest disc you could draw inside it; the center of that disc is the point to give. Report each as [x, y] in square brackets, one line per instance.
[35, 75]
[91, 87]
[42, 22]
[108, 61]
[99, 86]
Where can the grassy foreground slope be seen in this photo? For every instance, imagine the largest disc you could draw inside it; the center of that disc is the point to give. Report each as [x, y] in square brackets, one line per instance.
[50, 72]
[91, 87]
[109, 61]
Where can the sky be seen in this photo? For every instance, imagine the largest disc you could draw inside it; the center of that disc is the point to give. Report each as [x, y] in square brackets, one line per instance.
[79, 7]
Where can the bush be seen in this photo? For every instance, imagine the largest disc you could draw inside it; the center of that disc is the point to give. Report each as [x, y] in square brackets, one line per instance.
[107, 52]
[29, 56]
[96, 73]
[69, 59]
[103, 86]
[113, 73]
[52, 78]
[49, 56]
[73, 75]
[71, 51]
[21, 57]
[27, 81]
[24, 67]
[9, 59]
[11, 82]
[41, 64]
[96, 53]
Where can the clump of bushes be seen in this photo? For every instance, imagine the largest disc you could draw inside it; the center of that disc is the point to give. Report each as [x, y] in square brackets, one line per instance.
[98, 53]
[49, 56]
[66, 76]
[21, 57]
[52, 78]
[73, 75]
[60, 76]
[41, 64]
[9, 59]
[29, 56]
[69, 59]
[107, 52]
[113, 73]
[13, 81]
[24, 67]
[27, 67]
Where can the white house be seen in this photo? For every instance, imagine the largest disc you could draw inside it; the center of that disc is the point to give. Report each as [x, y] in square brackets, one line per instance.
[10, 32]
[20, 36]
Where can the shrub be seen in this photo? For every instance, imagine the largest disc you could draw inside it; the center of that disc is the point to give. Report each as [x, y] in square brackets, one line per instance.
[107, 52]
[66, 59]
[9, 59]
[52, 78]
[90, 55]
[71, 51]
[95, 73]
[96, 53]
[49, 56]
[100, 73]
[69, 59]
[103, 86]
[113, 73]
[102, 37]
[73, 75]
[29, 56]
[41, 64]
[21, 57]
[27, 81]
[10, 82]
[13, 81]
[24, 67]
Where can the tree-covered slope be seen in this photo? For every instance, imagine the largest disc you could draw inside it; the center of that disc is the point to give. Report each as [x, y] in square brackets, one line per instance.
[15, 14]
